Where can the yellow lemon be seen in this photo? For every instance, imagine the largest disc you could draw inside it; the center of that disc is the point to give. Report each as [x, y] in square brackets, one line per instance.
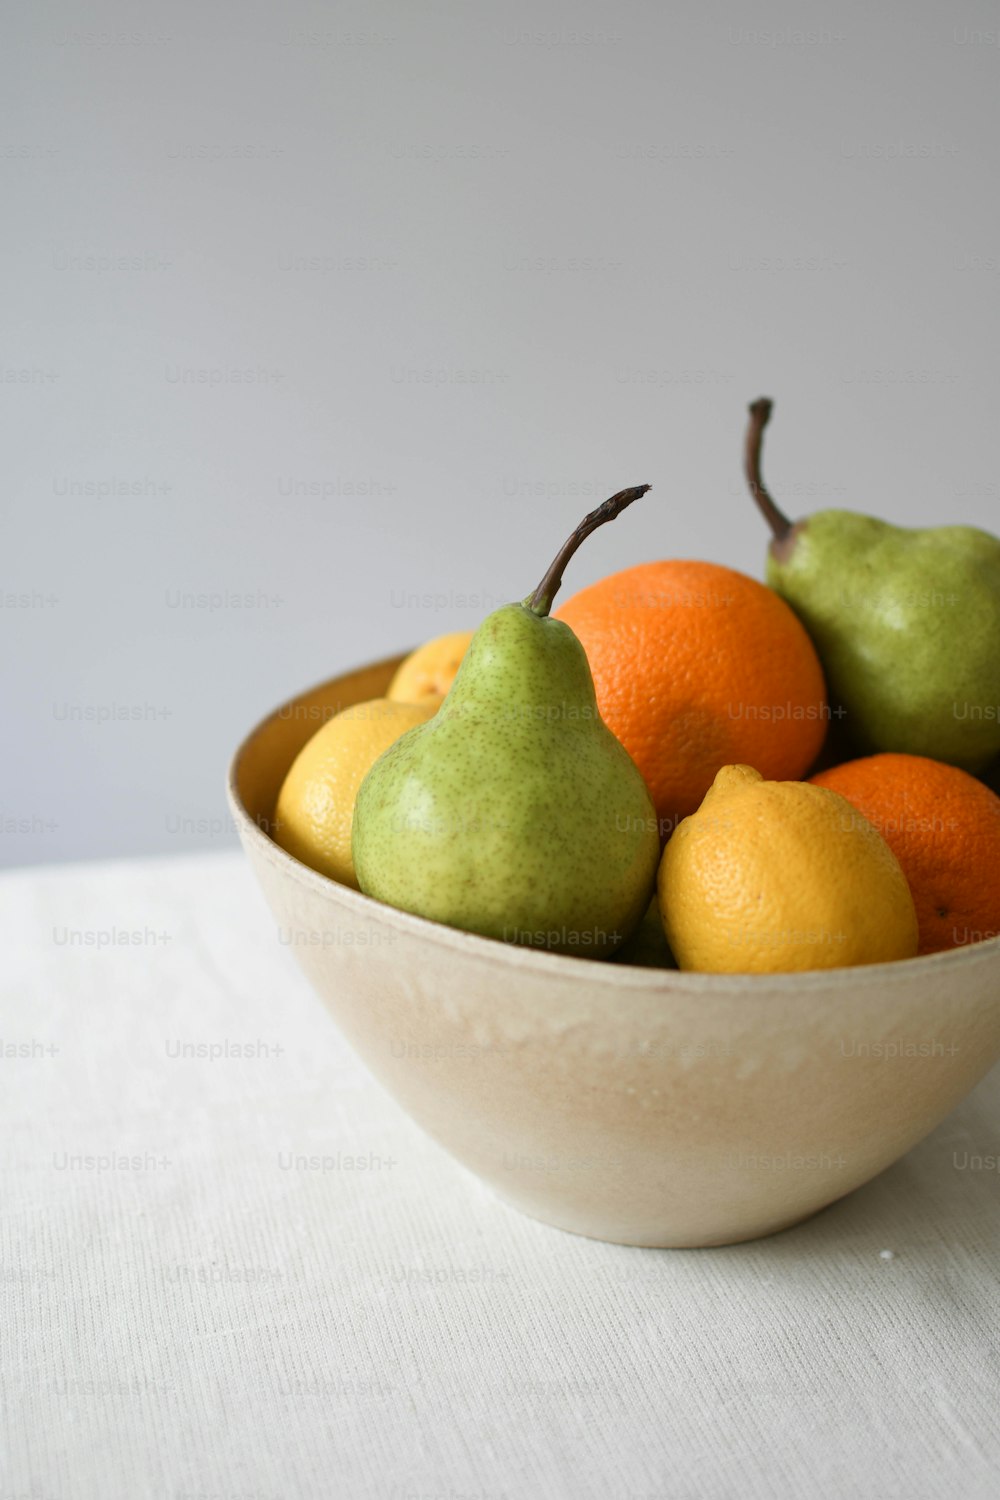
[767, 877]
[429, 671]
[315, 810]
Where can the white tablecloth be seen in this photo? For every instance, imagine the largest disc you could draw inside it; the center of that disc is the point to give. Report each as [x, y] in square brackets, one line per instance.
[187, 1314]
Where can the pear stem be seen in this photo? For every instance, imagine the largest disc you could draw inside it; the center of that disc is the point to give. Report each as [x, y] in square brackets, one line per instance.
[541, 600]
[760, 413]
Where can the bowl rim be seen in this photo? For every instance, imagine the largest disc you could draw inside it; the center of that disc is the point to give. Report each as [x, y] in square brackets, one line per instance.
[565, 966]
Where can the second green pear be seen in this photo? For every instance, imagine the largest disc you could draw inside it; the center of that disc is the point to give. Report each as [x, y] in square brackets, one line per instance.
[515, 813]
[905, 621]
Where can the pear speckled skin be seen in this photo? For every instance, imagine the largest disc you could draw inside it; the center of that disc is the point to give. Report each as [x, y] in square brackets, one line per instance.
[514, 813]
[907, 626]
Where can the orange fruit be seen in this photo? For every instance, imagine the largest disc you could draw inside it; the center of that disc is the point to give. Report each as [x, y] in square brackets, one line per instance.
[698, 667]
[944, 828]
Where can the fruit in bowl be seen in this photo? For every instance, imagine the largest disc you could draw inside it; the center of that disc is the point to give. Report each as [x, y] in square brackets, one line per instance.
[943, 825]
[514, 812]
[906, 622]
[428, 673]
[664, 1097]
[697, 666]
[777, 877]
[314, 815]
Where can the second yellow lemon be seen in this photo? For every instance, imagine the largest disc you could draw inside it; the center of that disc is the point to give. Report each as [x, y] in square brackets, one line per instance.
[769, 877]
[315, 810]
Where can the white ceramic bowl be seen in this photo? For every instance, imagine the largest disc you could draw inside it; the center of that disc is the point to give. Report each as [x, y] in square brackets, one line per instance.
[636, 1105]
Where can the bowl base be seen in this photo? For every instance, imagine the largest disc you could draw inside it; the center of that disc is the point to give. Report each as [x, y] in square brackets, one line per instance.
[654, 1243]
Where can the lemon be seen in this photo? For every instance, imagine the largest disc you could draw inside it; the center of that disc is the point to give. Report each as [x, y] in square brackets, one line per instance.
[429, 671]
[767, 877]
[315, 811]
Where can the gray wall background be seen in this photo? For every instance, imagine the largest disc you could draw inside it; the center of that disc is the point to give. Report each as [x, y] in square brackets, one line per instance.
[484, 264]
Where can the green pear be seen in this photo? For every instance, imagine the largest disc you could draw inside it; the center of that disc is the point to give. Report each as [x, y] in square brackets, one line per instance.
[515, 812]
[905, 621]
